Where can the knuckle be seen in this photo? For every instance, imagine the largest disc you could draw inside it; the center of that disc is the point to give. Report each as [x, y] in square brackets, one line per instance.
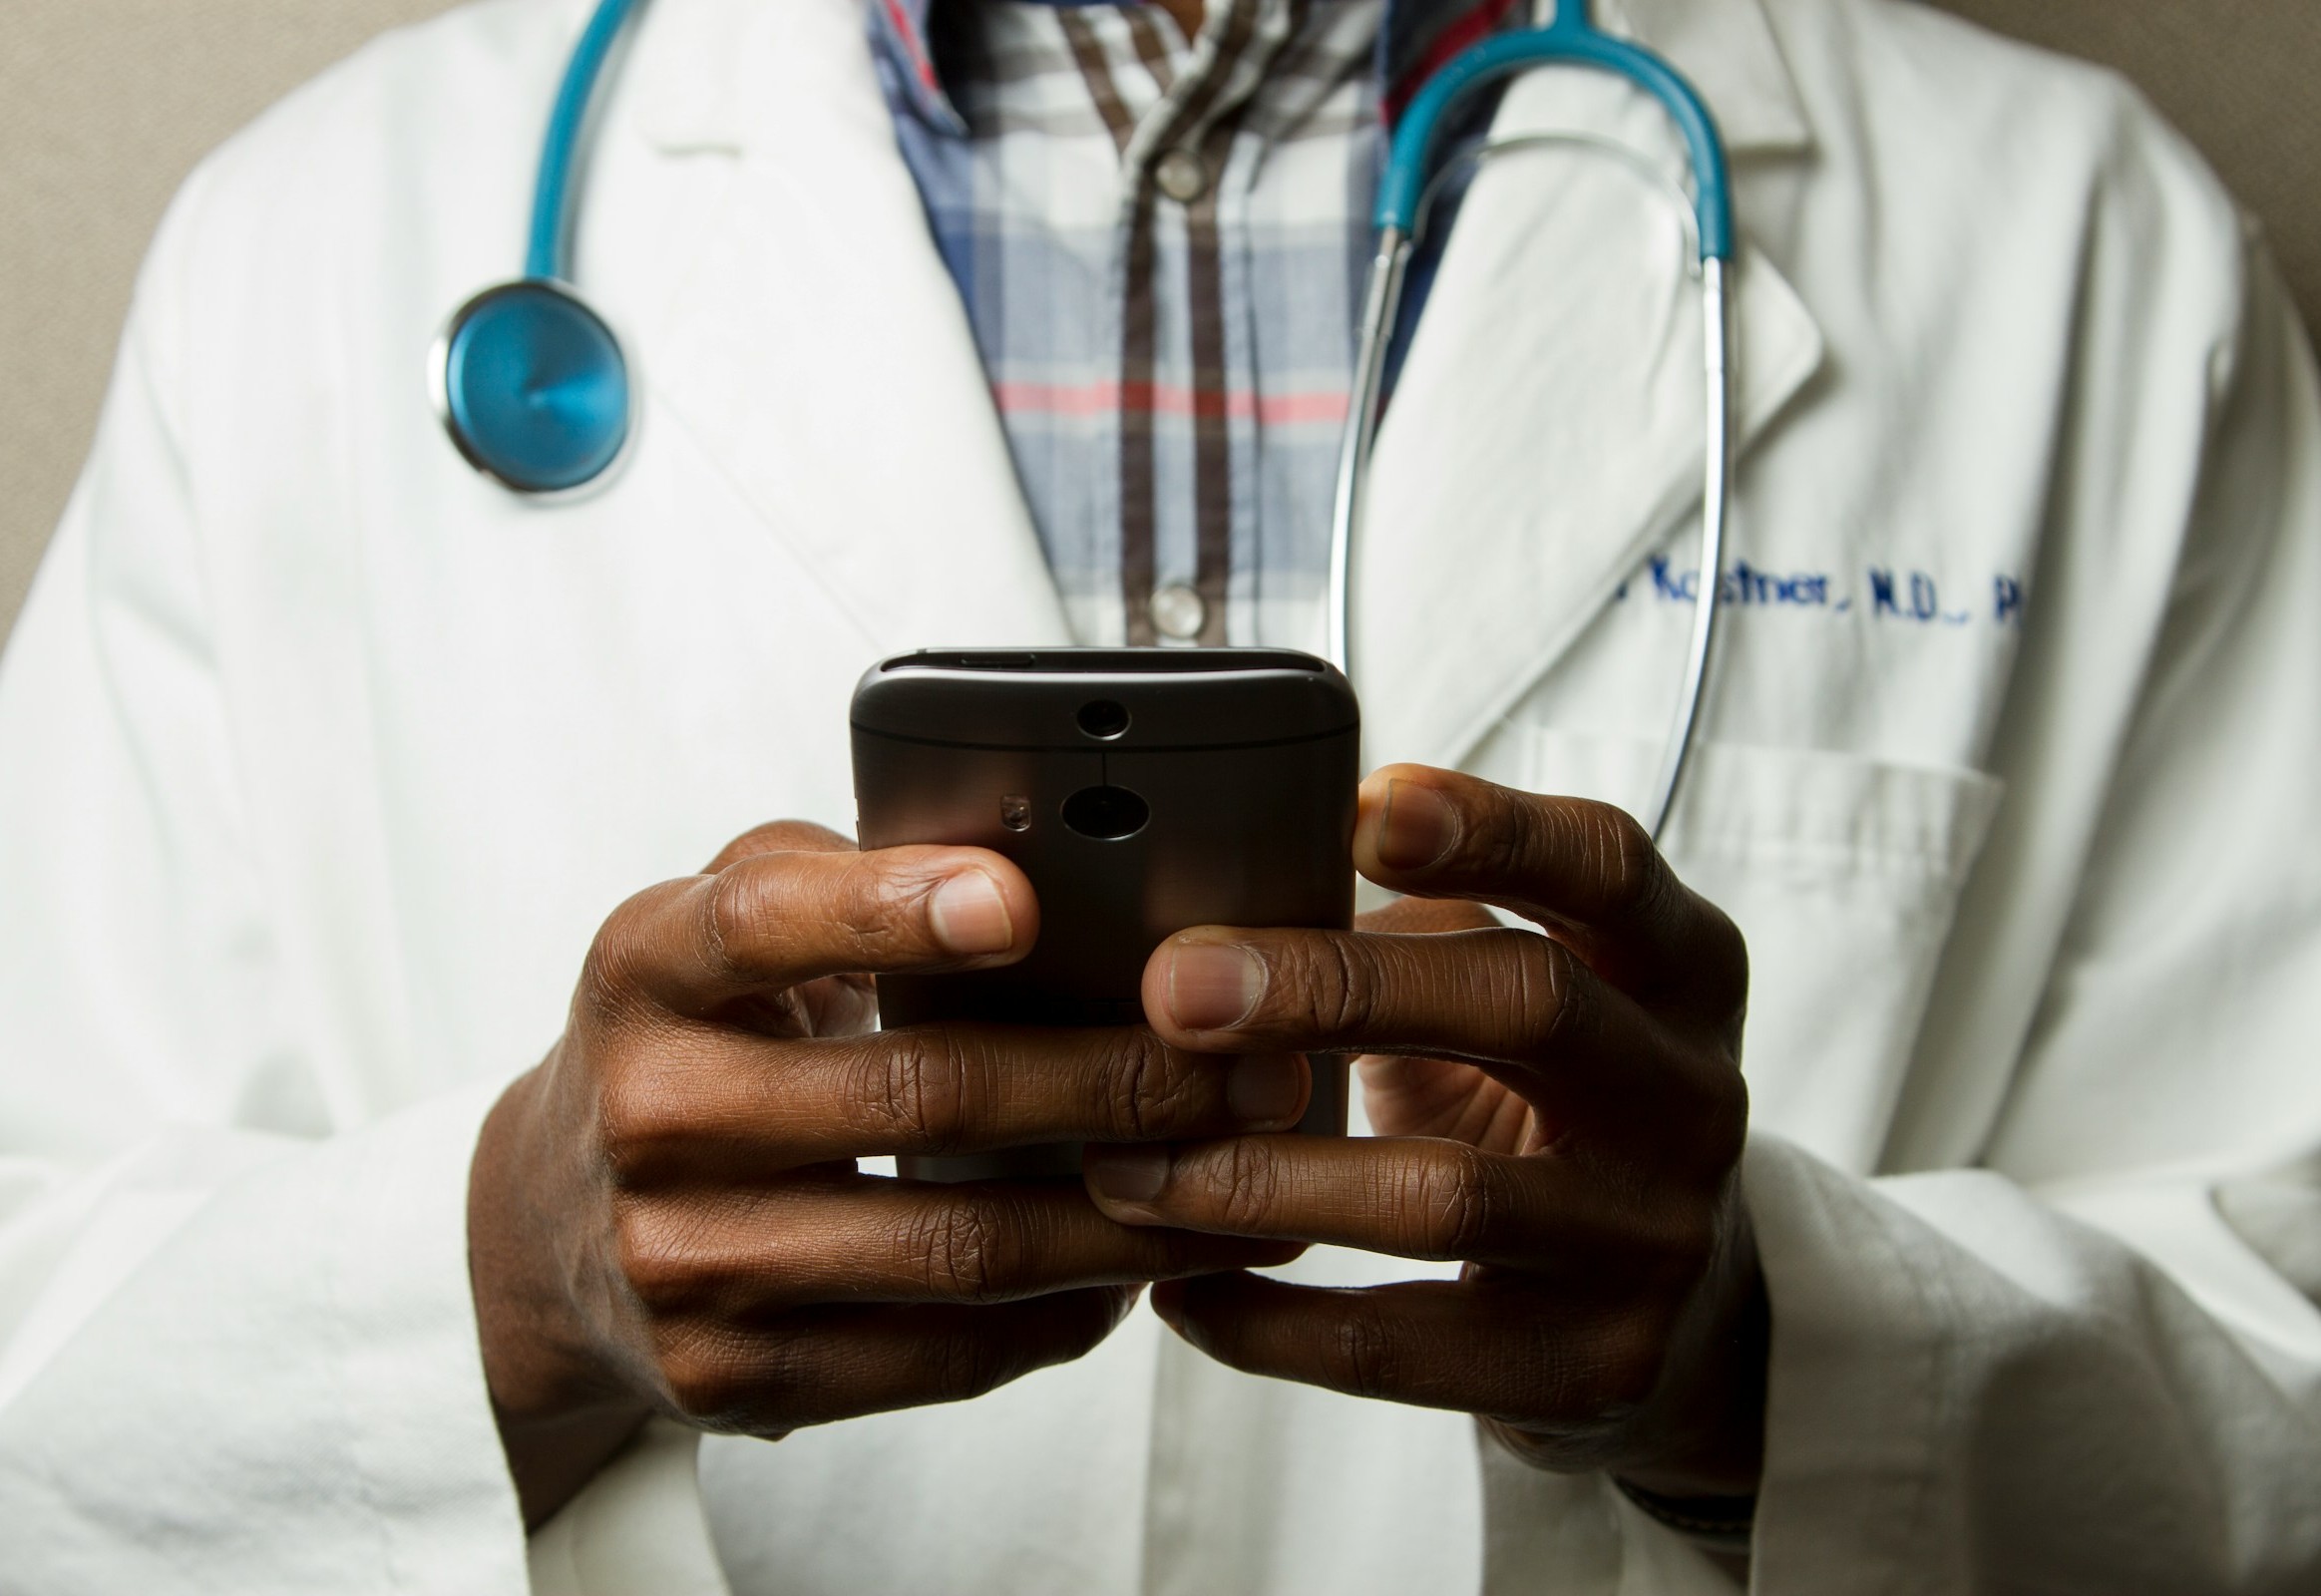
[1451, 1204]
[1361, 1355]
[1694, 1243]
[968, 1365]
[635, 1124]
[1508, 836]
[613, 975]
[707, 1377]
[662, 1271]
[862, 902]
[1676, 1249]
[1727, 1124]
[953, 1248]
[742, 903]
[1629, 1363]
[1548, 1001]
[607, 986]
[920, 1094]
[1247, 1186]
[1622, 857]
[1725, 957]
[1343, 992]
[1709, 1136]
[1154, 1094]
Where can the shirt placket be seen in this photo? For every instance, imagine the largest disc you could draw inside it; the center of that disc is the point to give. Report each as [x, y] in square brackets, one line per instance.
[1176, 435]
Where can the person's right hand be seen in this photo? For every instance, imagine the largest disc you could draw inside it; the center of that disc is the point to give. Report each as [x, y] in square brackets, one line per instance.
[665, 1215]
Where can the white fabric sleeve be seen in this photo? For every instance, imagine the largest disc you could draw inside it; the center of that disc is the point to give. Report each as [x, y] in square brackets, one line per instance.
[237, 1349]
[638, 1528]
[2066, 1369]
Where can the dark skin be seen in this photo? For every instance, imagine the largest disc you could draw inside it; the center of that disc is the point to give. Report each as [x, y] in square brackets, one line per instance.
[1562, 1114]
[664, 1216]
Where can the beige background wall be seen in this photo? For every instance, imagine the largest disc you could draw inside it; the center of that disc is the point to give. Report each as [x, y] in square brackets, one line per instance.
[104, 104]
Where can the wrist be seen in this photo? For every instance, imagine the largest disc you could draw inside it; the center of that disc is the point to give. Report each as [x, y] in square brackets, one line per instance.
[560, 1412]
[1712, 1446]
[1707, 1490]
[1702, 1435]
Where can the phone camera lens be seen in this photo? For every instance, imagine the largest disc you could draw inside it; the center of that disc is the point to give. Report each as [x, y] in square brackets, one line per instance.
[1016, 812]
[1106, 813]
[1103, 719]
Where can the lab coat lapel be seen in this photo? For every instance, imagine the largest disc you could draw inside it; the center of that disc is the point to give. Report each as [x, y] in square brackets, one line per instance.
[815, 347]
[1546, 432]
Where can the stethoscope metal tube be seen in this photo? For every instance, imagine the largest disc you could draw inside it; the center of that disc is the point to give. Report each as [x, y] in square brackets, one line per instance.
[1379, 302]
[1406, 193]
[1716, 511]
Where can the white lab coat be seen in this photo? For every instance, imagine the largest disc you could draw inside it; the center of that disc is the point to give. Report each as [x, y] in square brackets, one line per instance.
[321, 759]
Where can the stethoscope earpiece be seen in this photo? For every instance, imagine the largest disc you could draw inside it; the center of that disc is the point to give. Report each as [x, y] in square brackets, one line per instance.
[532, 387]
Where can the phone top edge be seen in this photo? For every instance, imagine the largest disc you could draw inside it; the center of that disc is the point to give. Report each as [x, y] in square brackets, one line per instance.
[1083, 745]
[1104, 699]
[1081, 660]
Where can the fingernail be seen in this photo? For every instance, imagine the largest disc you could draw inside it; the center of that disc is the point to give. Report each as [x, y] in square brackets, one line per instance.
[969, 916]
[1266, 1088]
[1128, 1174]
[1416, 827]
[1213, 986]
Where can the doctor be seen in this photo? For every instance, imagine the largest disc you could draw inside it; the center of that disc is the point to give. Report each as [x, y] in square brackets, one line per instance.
[327, 771]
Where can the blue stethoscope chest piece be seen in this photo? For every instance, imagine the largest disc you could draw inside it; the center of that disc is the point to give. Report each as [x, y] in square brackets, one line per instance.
[529, 381]
[532, 387]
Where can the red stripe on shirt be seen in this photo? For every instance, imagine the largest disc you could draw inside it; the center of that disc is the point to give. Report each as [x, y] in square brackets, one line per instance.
[920, 62]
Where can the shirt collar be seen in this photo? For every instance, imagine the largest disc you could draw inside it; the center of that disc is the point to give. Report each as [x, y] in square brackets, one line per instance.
[1417, 38]
[899, 27]
[1726, 46]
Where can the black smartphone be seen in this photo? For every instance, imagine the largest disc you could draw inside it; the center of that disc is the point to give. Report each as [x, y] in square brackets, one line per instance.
[1142, 792]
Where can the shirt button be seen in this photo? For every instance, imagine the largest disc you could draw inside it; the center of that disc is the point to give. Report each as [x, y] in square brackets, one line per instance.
[1177, 611]
[1181, 174]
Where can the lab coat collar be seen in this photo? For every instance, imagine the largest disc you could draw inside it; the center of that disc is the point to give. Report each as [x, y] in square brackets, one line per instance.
[1541, 444]
[1538, 447]
[1729, 50]
[694, 64]
[814, 347]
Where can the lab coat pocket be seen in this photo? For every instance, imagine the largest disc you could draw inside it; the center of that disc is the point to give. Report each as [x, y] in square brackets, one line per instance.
[1843, 872]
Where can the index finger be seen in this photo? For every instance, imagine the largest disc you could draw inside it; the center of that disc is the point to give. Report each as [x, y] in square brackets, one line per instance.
[1586, 872]
[783, 917]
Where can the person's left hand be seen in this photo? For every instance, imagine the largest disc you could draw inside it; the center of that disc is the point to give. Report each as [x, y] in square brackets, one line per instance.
[1562, 1114]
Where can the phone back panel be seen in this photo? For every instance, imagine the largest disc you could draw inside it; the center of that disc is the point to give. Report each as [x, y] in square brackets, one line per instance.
[1239, 768]
[1245, 771]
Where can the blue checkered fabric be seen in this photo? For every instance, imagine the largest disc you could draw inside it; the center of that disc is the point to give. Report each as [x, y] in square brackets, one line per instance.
[1160, 243]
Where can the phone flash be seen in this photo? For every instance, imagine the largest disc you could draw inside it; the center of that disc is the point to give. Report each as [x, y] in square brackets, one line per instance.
[1016, 812]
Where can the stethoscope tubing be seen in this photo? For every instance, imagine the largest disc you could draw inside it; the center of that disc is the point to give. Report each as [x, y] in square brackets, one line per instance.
[1407, 189]
[1715, 516]
[1358, 443]
[1407, 193]
[549, 239]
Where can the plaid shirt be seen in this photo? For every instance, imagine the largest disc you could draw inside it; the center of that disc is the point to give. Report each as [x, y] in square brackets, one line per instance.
[1160, 243]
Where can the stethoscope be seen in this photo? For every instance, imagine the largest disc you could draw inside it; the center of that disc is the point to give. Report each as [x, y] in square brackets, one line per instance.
[534, 388]
[531, 383]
